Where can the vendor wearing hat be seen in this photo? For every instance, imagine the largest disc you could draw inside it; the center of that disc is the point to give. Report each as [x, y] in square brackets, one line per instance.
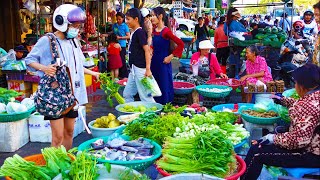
[207, 63]
[20, 52]
[300, 145]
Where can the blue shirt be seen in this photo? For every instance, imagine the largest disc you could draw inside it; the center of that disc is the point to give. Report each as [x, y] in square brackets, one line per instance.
[286, 23]
[121, 30]
[234, 26]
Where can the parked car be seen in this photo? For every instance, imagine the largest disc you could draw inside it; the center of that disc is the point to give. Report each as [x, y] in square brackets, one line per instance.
[186, 24]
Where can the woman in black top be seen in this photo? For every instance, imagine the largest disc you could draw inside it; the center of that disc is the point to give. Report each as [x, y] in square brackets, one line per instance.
[200, 32]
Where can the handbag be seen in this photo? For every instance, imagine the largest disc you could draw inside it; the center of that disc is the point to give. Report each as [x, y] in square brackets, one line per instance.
[206, 74]
[54, 96]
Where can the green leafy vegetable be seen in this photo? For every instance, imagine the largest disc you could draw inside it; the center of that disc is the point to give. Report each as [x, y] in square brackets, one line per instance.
[295, 95]
[167, 108]
[128, 175]
[110, 88]
[209, 152]
[8, 95]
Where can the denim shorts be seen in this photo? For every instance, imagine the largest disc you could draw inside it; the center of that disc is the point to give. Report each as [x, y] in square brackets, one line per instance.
[71, 114]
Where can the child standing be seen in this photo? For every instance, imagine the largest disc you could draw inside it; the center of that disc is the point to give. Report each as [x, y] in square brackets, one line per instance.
[114, 58]
[139, 58]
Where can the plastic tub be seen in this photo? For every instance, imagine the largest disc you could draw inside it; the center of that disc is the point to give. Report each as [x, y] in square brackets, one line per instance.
[258, 120]
[137, 103]
[224, 82]
[193, 176]
[104, 174]
[220, 107]
[185, 63]
[183, 87]
[138, 165]
[101, 132]
[240, 170]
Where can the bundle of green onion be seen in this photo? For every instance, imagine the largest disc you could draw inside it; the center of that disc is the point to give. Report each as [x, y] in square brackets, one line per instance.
[209, 152]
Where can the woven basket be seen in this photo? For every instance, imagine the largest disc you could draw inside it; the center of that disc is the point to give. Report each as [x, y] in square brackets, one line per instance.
[257, 120]
[213, 94]
[15, 116]
[183, 87]
[138, 165]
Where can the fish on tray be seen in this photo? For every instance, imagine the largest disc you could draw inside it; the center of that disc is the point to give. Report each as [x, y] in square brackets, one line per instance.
[120, 150]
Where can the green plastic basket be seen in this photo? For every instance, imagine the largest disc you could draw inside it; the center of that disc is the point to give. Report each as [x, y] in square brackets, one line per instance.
[16, 116]
[138, 165]
[213, 94]
[257, 120]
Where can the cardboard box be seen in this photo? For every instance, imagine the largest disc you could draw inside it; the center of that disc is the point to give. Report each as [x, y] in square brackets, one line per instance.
[13, 135]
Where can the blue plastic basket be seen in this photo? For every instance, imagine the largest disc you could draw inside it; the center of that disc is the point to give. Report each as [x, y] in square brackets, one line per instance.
[138, 165]
[186, 39]
[185, 63]
[237, 147]
[213, 94]
[257, 120]
[219, 108]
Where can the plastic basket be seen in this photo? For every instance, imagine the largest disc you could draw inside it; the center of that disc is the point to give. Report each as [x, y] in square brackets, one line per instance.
[180, 99]
[138, 165]
[219, 108]
[185, 63]
[15, 116]
[30, 78]
[183, 87]
[237, 147]
[289, 92]
[213, 94]
[240, 170]
[235, 83]
[39, 160]
[257, 120]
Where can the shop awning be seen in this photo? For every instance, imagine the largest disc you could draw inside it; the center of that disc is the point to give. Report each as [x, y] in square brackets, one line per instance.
[165, 6]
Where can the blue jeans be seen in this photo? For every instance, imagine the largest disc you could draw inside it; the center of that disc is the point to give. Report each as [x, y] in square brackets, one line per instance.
[134, 86]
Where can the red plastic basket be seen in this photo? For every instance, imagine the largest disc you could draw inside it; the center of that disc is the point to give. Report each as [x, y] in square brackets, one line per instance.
[183, 87]
[235, 83]
[241, 169]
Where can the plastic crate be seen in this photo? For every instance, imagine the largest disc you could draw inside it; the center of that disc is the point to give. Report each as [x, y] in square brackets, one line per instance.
[31, 78]
[15, 76]
[89, 89]
[210, 102]
[88, 80]
[180, 99]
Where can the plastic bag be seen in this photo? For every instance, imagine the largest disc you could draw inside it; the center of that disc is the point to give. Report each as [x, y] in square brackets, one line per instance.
[10, 56]
[283, 113]
[150, 86]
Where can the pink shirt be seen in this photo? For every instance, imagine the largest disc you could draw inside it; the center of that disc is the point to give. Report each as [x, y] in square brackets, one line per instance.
[214, 65]
[259, 65]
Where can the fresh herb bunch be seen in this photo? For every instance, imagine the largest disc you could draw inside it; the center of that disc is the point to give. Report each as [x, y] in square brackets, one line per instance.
[111, 88]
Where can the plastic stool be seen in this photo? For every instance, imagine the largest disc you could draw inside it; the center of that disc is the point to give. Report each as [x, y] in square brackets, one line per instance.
[252, 127]
[300, 172]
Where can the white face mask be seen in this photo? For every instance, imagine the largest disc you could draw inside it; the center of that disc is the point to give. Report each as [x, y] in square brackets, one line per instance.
[72, 32]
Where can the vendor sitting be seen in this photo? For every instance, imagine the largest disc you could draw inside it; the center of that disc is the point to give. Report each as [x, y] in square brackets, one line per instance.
[256, 69]
[206, 63]
[300, 146]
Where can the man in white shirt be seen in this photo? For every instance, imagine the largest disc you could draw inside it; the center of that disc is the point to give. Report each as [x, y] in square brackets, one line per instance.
[268, 20]
[310, 25]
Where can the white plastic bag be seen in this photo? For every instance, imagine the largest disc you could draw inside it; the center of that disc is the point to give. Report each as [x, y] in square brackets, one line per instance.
[150, 85]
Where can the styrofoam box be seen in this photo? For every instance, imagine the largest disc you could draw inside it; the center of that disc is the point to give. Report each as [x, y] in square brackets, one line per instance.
[40, 130]
[13, 135]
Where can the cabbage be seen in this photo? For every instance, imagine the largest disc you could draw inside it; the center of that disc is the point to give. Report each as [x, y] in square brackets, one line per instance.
[2, 108]
[29, 103]
[13, 107]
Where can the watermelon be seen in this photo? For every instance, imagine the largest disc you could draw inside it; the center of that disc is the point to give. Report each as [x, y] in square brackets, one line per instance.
[274, 30]
[260, 36]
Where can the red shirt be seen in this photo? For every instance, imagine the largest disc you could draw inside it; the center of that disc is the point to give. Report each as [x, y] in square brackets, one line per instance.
[214, 64]
[220, 38]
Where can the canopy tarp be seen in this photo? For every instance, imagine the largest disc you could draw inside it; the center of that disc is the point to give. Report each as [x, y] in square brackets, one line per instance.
[165, 6]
